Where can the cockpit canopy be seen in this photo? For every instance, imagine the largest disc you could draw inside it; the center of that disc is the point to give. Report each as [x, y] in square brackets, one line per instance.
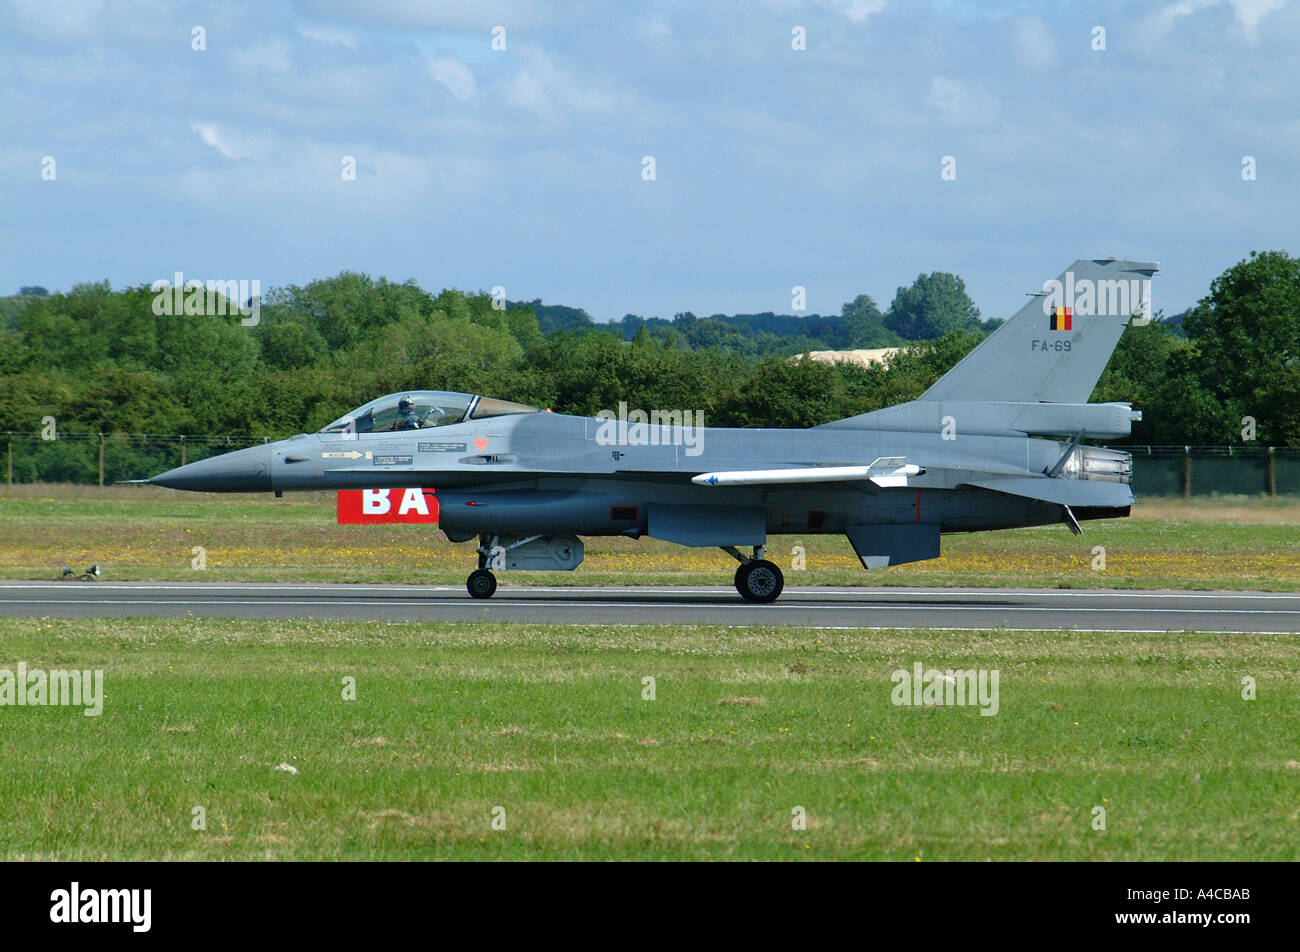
[427, 408]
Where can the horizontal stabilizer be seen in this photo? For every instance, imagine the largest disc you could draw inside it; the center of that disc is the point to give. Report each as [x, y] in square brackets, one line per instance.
[1079, 493]
[1105, 421]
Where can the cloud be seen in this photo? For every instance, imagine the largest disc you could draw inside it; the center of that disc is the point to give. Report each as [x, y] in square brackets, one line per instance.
[652, 27]
[1251, 12]
[543, 88]
[224, 141]
[329, 36]
[1167, 16]
[551, 131]
[422, 14]
[856, 10]
[272, 57]
[454, 75]
[960, 103]
[76, 20]
[1034, 46]
[273, 170]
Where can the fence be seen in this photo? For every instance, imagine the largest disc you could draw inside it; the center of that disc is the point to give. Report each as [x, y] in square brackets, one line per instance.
[1215, 470]
[106, 458]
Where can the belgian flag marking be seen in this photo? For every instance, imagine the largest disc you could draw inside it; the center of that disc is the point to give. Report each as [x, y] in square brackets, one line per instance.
[1062, 319]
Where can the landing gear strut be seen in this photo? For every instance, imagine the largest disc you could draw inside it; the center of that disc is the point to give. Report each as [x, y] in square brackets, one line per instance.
[757, 579]
[537, 552]
[481, 582]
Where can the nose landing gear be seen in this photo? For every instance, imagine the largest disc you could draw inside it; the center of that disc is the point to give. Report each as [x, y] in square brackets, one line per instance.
[481, 582]
[536, 552]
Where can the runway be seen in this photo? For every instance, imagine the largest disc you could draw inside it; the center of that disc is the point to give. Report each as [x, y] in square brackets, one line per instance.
[965, 608]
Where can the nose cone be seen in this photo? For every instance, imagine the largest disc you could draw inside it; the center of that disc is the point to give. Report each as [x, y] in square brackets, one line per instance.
[243, 471]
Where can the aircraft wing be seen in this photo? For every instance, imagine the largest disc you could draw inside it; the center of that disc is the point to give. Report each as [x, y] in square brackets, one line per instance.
[885, 472]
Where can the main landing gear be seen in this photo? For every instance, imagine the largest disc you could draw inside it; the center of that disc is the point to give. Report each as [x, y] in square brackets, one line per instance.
[757, 579]
[481, 583]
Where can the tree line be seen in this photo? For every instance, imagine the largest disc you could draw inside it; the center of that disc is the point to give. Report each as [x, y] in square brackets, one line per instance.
[933, 305]
[101, 360]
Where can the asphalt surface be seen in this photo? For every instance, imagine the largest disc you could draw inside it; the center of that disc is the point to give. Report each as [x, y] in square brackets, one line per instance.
[1032, 609]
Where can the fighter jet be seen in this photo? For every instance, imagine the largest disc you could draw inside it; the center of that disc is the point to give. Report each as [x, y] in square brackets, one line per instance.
[996, 443]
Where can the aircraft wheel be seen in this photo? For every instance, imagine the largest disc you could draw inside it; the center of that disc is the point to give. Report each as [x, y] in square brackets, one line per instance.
[759, 581]
[481, 583]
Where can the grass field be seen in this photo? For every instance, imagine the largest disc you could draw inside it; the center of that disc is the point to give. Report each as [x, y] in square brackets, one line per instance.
[150, 533]
[549, 723]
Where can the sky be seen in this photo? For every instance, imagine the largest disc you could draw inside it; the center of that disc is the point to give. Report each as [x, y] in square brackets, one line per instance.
[128, 154]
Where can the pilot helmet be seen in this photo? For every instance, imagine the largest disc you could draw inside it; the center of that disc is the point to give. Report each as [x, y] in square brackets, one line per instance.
[405, 404]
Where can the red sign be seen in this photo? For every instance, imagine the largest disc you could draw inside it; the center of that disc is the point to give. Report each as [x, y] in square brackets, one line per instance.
[379, 506]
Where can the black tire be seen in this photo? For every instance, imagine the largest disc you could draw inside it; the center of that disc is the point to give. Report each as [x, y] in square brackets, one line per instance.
[760, 581]
[481, 583]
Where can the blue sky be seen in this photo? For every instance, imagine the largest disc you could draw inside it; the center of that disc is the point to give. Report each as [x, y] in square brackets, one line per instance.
[523, 168]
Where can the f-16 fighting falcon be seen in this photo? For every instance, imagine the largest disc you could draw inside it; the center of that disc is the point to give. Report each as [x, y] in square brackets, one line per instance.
[996, 443]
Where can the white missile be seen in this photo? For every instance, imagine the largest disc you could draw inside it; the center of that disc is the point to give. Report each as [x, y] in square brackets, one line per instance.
[885, 472]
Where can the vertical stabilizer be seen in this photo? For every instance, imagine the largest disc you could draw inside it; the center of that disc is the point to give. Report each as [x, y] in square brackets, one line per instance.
[1055, 348]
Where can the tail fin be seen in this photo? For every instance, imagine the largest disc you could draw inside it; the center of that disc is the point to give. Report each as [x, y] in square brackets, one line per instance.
[1056, 346]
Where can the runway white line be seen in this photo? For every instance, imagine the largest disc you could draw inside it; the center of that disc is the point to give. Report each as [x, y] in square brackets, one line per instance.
[776, 606]
[1045, 631]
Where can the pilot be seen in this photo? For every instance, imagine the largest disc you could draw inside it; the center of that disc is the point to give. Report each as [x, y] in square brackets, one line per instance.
[406, 418]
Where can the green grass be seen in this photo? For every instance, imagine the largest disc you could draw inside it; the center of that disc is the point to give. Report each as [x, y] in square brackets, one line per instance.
[548, 722]
[146, 533]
